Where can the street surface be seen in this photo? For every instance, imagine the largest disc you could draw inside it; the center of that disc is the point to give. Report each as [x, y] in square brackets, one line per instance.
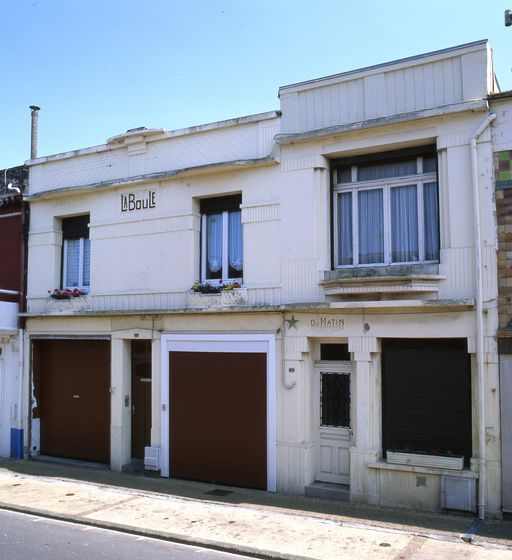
[235, 520]
[23, 537]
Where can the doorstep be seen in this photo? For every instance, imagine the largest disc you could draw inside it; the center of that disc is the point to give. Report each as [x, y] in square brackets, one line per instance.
[328, 491]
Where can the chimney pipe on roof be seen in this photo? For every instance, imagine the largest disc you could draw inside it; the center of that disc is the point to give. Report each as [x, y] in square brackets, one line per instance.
[33, 136]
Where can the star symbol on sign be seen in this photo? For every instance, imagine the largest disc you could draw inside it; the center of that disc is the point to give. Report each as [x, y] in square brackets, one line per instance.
[292, 323]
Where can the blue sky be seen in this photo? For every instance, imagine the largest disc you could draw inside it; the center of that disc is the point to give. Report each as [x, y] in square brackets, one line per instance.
[99, 67]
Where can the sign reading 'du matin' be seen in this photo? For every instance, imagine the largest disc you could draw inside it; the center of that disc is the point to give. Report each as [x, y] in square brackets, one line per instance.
[327, 324]
[139, 200]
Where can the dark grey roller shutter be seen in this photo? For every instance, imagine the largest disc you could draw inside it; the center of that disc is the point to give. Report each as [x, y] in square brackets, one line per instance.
[426, 396]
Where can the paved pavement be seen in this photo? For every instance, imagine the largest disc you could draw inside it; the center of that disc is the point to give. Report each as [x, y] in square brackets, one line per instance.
[243, 521]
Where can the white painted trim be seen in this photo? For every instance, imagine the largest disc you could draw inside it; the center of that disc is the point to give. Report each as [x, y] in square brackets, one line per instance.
[211, 342]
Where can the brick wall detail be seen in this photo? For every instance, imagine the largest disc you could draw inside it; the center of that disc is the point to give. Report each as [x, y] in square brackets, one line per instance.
[503, 174]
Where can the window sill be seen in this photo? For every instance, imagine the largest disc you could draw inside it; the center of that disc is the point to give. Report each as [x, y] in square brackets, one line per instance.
[425, 460]
[382, 465]
[415, 278]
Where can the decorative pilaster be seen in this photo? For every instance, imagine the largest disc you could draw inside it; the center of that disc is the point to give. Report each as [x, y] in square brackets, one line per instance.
[120, 426]
[366, 403]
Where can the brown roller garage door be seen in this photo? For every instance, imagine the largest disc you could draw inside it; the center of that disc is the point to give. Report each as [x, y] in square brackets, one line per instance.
[218, 417]
[71, 385]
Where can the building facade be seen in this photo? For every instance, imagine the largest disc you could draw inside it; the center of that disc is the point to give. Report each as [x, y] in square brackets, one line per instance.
[13, 219]
[302, 300]
[501, 106]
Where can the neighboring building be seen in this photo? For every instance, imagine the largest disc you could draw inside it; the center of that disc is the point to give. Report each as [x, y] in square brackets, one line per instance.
[501, 106]
[12, 297]
[362, 324]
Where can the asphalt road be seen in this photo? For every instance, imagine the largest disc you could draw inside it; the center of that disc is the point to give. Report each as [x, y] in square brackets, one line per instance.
[23, 537]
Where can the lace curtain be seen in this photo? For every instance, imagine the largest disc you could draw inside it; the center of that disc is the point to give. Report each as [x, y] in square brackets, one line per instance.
[404, 224]
[345, 256]
[235, 244]
[72, 263]
[215, 229]
[214, 244]
[371, 227]
[431, 208]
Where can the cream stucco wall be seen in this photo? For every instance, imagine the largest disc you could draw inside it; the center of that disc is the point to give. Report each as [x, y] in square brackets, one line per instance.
[144, 262]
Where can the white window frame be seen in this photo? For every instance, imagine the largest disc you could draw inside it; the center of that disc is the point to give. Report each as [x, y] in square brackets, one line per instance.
[225, 250]
[80, 266]
[354, 187]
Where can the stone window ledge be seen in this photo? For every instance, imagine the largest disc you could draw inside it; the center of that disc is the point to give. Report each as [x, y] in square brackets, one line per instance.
[414, 283]
[382, 465]
[410, 278]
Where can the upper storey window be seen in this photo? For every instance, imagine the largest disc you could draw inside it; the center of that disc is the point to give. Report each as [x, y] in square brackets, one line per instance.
[222, 255]
[76, 269]
[386, 209]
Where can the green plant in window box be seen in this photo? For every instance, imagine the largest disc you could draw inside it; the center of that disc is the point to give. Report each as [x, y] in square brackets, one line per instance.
[208, 288]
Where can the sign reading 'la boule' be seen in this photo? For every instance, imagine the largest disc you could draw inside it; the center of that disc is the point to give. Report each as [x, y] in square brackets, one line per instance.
[142, 200]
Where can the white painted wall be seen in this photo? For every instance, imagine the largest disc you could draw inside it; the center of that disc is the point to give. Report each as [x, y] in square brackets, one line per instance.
[406, 86]
[149, 259]
[246, 138]
[9, 370]
[501, 129]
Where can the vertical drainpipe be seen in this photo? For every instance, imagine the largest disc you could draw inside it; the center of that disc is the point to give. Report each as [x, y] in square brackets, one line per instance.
[17, 451]
[22, 306]
[482, 482]
[33, 136]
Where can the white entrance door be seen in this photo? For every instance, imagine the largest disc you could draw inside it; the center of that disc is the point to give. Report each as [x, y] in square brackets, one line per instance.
[333, 418]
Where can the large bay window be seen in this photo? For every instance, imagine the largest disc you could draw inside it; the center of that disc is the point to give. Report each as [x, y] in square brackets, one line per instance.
[76, 254]
[222, 239]
[386, 209]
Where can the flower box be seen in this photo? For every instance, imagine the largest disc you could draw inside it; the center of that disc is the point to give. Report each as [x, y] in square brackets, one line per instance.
[455, 462]
[78, 303]
[228, 298]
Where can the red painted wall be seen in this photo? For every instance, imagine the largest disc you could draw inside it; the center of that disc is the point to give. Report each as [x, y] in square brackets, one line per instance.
[10, 250]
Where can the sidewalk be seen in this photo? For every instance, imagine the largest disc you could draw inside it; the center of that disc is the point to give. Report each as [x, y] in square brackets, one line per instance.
[243, 521]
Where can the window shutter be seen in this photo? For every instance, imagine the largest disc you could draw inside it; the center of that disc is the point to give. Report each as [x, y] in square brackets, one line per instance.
[426, 396]
[74, 228]
[220, 204]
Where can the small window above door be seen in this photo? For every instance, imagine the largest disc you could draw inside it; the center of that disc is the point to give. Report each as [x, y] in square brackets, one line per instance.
[334, 352]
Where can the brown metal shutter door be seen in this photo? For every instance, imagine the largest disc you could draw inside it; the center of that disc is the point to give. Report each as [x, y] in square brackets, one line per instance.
[74, 398]
[218, 417]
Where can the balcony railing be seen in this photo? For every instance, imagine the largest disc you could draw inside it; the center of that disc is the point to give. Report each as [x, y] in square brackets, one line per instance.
[152, 301]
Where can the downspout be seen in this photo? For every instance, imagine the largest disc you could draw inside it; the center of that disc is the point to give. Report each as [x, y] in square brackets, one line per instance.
[479, 317]
[19, 411]
[22, 305]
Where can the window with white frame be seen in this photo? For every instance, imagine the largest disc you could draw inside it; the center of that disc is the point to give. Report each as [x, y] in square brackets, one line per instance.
[222, 256]
[76, 253]
[386, 209]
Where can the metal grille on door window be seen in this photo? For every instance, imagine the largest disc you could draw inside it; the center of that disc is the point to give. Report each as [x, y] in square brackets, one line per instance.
[335, 399]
